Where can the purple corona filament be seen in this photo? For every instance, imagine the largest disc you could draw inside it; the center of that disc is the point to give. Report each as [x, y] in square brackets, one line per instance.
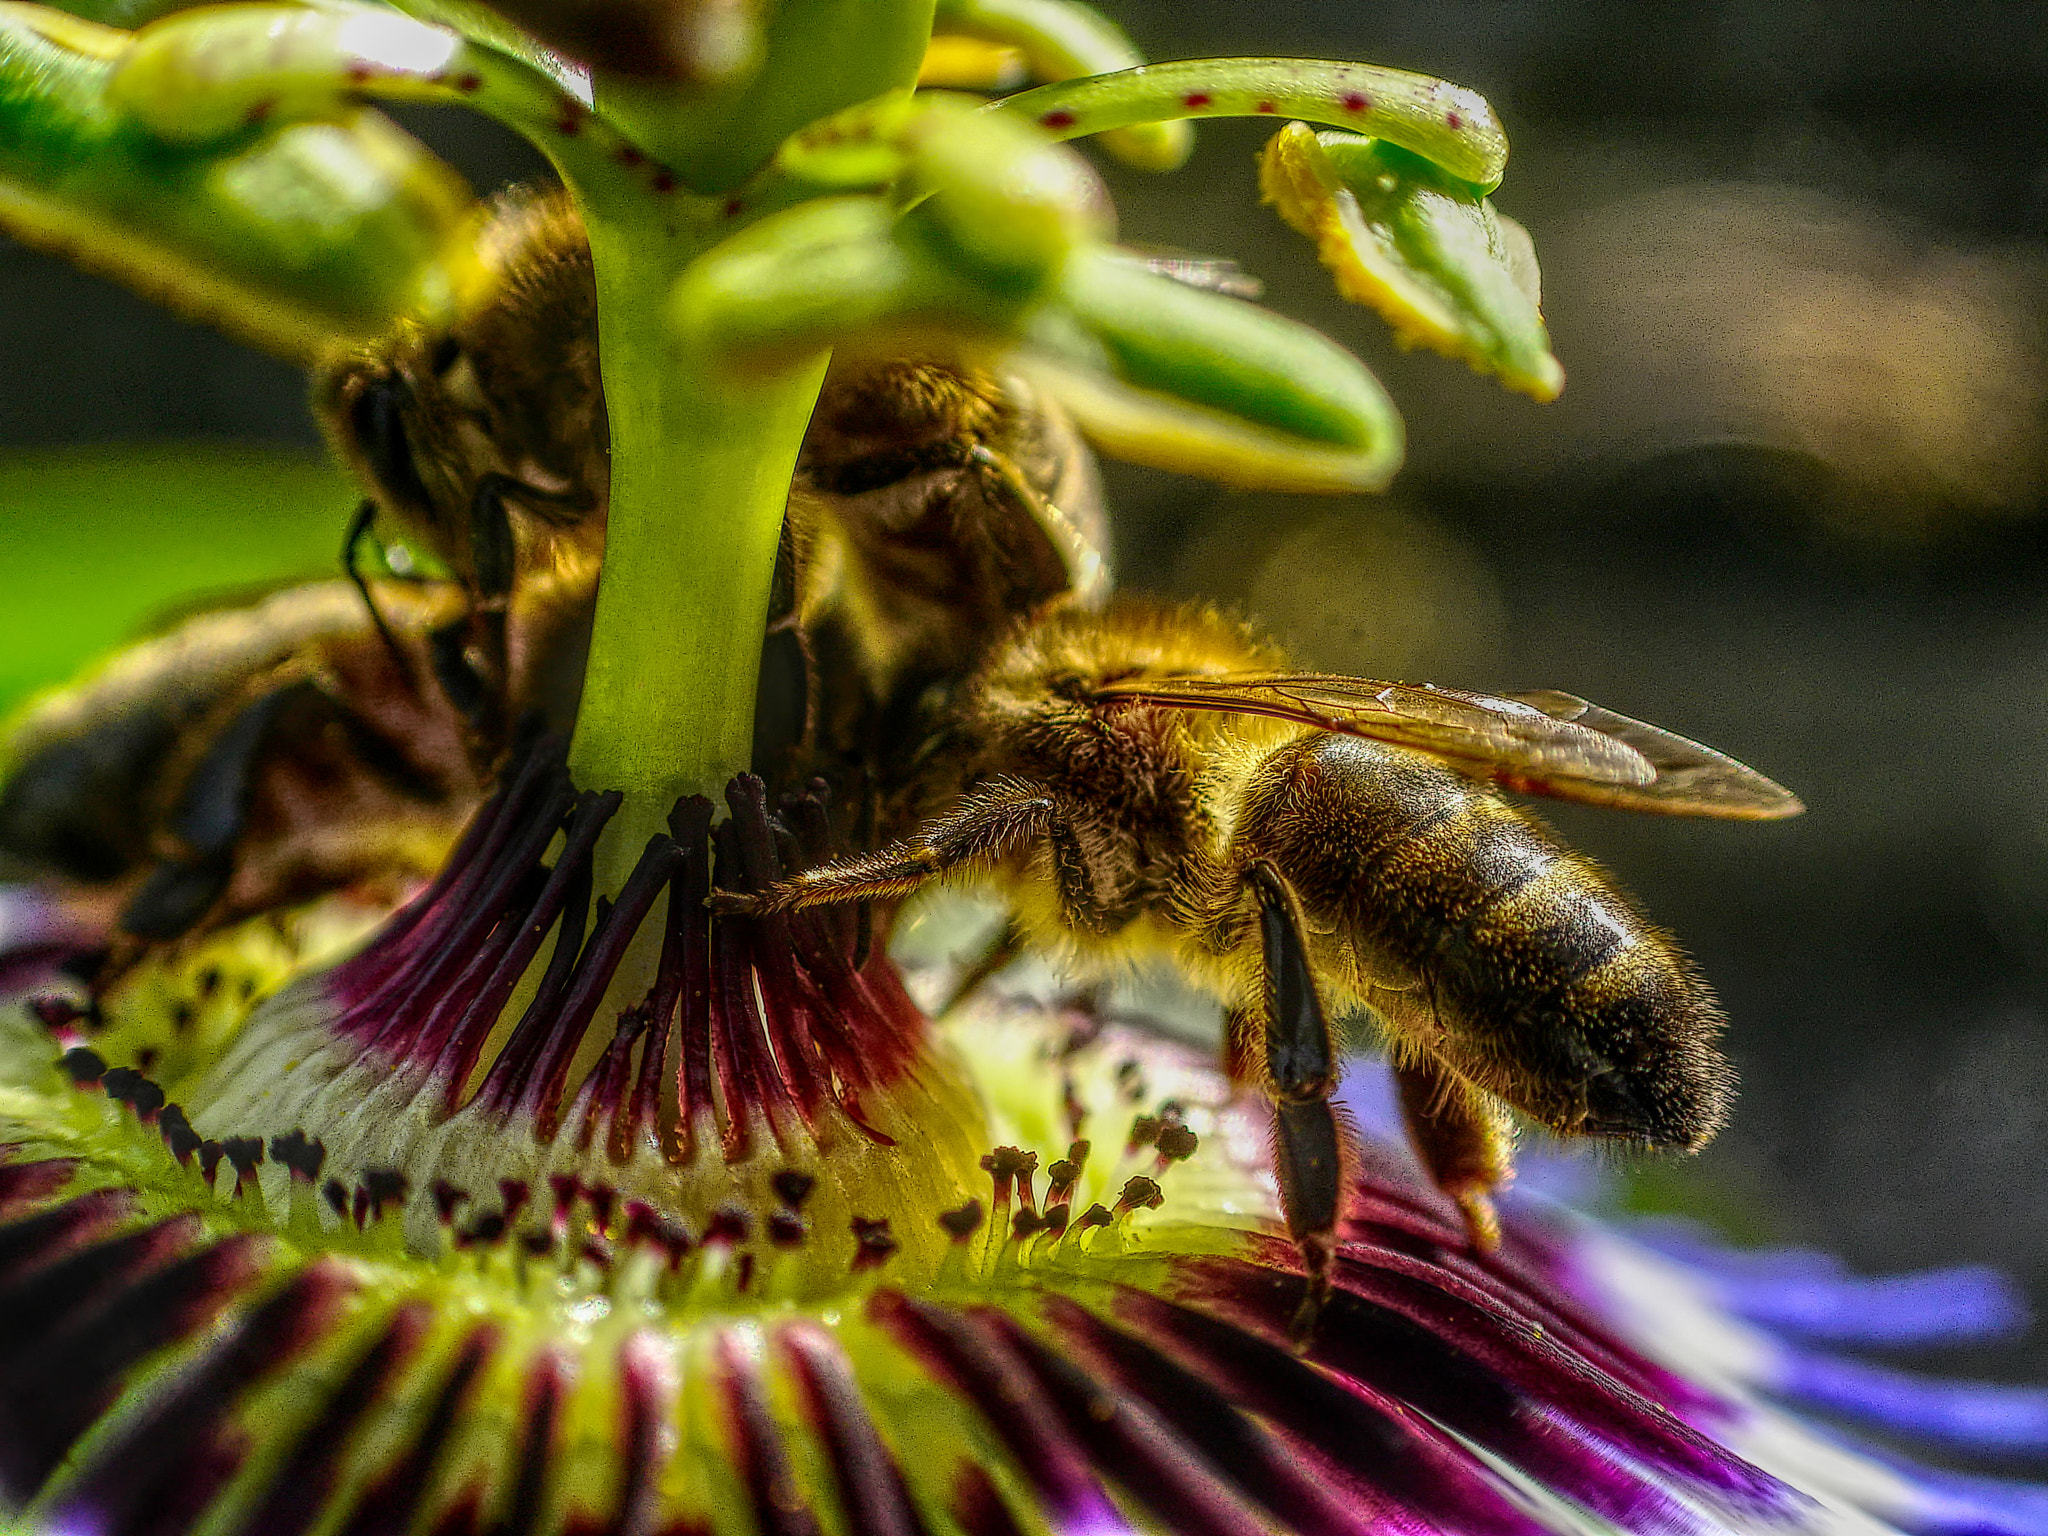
[749, 1021]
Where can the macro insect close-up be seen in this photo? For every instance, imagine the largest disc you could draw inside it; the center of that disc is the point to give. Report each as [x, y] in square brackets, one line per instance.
[852, 863]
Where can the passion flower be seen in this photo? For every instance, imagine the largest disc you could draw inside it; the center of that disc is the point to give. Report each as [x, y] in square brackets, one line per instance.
[767, 1249]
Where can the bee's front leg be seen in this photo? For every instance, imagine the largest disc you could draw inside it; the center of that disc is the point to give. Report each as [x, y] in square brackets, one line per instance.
[1061, 559]
[352, 564]
[986, 827]
[1301, 1071]
[1463, 1140]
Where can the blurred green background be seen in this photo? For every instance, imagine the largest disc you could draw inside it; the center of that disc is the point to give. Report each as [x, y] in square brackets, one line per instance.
[99, 545]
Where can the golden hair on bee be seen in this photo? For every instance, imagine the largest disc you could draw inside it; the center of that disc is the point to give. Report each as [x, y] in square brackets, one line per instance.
[1152, 779]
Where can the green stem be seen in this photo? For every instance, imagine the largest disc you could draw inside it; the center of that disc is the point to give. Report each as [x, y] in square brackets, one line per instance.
[1440, 121]
[701, 472]
[701, 457]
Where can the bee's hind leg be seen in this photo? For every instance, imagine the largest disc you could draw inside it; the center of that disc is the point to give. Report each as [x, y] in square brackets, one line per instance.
[1301, 1070]
[1463, 1140]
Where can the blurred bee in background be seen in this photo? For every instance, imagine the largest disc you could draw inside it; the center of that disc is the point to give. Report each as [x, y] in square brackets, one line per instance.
[933, 504]
[249, 757]
[1151, 780]
[486, 444]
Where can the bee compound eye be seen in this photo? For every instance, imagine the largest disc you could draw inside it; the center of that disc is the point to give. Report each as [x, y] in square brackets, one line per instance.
[377, 421]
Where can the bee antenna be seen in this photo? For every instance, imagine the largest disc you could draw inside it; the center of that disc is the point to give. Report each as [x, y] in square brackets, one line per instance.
[351, 562]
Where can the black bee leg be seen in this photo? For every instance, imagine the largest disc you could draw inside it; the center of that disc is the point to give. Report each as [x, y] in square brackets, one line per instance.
[1463, 1140]
[495, 556]
[491, 546]
[1007, 946]
[464, 686]
[207, 821]
[984, 828]
[352, 563]
[1301, 1070]
[1064, 561]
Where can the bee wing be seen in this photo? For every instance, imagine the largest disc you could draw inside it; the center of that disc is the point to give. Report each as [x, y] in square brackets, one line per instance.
[1541, 743]
[1218, 274]
[1691, 780]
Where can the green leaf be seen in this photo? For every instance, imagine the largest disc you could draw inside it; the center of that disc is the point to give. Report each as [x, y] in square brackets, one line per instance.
[1196, 381]
[996, 212]
[1421, 247]
[289, 237]
[1448, 123]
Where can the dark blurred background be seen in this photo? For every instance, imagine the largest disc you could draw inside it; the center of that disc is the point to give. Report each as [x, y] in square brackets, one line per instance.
[1790, 503]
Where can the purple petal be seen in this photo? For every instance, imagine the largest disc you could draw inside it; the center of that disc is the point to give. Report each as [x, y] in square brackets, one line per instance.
[871, 1487]
[1492, 1377]
[780, 1508]
[983, 1368]
[1148, 1457]
[1392, 1466]
[64, 1360]
[978, 1504]
[1267, 1470]
[50, 1235]
[1950, 1504]
[299, 1490]
[158, 1473]
[1813, 1295]
[392, 1503]
[1976, 1416]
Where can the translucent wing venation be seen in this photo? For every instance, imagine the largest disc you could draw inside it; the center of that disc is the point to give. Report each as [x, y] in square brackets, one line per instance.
[1540, 742]
[1691, 779]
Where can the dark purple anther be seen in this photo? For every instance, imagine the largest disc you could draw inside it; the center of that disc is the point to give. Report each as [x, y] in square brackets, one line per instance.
[873, 1243]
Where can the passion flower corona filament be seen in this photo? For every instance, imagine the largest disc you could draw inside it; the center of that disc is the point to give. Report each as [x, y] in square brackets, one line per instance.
[766, 1249]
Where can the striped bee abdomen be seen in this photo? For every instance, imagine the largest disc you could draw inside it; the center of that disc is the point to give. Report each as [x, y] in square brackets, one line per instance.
[1513, 960]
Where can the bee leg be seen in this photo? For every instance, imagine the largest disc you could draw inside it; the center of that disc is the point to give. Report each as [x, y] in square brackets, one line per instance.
[460, 681]
[984, 828]
[351, 562]
[1007, 946]
[207, 821]
[1463, 1141]
[1301, 1069]
[496, 556]
[1067, 562]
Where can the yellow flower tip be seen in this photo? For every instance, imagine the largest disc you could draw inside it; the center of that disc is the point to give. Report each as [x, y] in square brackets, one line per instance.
[955, 63]
[1543, 384]
[1431, 258]
[88, 38]
[1156, 147]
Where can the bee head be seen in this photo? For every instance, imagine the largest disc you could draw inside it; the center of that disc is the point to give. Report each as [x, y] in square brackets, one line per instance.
[378, 402]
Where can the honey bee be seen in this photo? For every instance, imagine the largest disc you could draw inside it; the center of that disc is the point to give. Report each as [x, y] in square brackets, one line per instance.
[246, 758]
[1150, 780]
[241, 760]
[934, 503]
